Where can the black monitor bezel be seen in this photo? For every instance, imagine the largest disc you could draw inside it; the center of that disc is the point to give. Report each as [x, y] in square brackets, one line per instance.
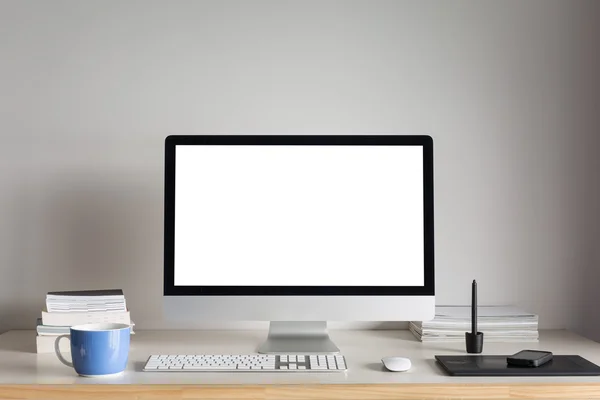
[297, 140]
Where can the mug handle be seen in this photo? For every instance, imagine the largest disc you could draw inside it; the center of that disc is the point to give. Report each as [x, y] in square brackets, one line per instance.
[57, 350]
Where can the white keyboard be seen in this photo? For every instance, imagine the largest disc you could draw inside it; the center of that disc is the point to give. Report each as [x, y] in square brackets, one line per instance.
[246, 363]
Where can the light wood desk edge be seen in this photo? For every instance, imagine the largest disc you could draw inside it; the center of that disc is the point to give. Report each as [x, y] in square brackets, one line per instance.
[569, 391]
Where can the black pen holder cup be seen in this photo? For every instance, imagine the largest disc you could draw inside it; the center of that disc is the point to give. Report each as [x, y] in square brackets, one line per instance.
[474, 342]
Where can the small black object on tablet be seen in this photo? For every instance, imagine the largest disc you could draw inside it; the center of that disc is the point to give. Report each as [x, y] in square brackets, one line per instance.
[529, 358]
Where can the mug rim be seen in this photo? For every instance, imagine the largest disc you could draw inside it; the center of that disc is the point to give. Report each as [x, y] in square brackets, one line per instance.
[100, 327]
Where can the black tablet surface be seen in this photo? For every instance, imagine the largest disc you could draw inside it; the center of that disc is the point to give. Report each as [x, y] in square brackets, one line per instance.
[561, 365]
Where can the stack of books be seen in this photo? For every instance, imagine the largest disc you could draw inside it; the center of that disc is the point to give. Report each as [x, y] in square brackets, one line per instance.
[498, 324]
[65, 309]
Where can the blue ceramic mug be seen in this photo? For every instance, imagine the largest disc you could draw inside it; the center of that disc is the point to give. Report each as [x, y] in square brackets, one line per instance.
[97, 349]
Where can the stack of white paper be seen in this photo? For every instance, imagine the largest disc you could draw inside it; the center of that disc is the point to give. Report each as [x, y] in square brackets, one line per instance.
[86, 301]
[498, 324]
[65, 309]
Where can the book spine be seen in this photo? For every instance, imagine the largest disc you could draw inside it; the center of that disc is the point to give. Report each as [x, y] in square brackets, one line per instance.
[70, 319]
[85, 307]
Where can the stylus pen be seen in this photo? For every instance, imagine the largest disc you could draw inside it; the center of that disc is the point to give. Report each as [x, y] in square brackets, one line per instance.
[474, 308]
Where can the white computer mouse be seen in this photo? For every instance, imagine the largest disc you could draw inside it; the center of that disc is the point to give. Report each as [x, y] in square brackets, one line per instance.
[396, 364]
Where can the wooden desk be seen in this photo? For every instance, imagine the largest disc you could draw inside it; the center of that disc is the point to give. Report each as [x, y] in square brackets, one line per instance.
[24, 374]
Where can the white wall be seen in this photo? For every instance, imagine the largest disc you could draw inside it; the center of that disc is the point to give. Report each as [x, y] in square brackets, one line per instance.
[89, 90]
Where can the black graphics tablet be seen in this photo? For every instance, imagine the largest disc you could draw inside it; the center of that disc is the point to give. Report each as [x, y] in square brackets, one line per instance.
[561, 365]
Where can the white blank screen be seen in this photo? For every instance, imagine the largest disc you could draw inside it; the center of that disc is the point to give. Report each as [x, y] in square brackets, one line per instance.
[299, 216]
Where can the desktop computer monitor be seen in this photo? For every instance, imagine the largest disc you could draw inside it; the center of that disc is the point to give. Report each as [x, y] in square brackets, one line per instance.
[299, 230]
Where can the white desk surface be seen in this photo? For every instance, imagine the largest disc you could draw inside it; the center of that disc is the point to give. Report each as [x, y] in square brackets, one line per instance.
[363, 350]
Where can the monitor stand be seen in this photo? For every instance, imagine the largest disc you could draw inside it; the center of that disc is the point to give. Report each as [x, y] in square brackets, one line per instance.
[298, 338]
